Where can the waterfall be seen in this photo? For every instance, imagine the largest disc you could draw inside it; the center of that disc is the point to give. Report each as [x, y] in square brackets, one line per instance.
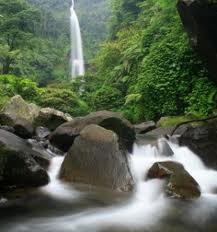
[77, 60]
[147, 209]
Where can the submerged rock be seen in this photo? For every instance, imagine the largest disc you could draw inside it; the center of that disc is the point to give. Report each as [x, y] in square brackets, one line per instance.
[180, 184]
[145, 127]
[164, 147]
[51, 118]
[64, 135]
[96, 158]
[17, 165]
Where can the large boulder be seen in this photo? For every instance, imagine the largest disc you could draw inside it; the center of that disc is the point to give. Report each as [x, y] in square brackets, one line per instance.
[18, 168]
[26, 146]
[18, 115]
[180, 184]
[199, 18]
[23, 117]
[65, 134]
[16, 107]
[96, 158]
[51, 118]
[202, 140]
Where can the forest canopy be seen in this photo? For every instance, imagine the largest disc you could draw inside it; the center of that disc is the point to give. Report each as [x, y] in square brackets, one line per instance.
[139, 58]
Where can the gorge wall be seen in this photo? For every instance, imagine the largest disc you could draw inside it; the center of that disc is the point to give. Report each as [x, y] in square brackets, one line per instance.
[199, 18]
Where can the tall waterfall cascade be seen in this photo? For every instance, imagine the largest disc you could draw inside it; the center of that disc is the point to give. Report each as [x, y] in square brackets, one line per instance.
[77, 59]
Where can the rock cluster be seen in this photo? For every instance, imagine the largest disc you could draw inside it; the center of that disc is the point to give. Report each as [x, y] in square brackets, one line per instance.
[24, 117]
[65, 134]
[25, 151]
[98, 146]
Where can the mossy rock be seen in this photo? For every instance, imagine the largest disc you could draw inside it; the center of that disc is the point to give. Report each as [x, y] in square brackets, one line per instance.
[16, 108]
[172, 120]
[51, 118]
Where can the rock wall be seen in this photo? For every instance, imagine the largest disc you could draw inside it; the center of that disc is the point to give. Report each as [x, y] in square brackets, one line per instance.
[199, 18]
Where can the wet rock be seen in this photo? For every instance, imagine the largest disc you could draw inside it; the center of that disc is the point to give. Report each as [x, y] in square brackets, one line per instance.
[64, 135]
[144, 127]
[40, 153]
[202, 140]
[54, 150]
[23, 128]
[8, 128]
[3, 200]
[51, 118]
[180, 184]
[95, 158]
[42, 133]
[199, 18]
[164, 147]
[17, 165]
[164, 131]
[18, 126]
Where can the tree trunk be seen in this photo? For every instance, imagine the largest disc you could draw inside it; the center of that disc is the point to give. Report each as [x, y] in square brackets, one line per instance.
[6, 66]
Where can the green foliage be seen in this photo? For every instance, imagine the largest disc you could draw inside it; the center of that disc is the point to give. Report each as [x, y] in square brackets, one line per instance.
[35, 36]
[107, 98]
[16, 28]
[34, 41]
[146, 69]
[11, 85]
[173, 121]
[93, 16]
[64, 100]
[125, 12]
[149, 64]
[203, 98]
[57, 96]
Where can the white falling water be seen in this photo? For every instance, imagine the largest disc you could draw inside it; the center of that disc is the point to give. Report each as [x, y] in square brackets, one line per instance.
[143, 210]
[56, 188]
[77, 59]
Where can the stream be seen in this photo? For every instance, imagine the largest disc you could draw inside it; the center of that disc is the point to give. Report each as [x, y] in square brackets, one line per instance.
[60, 207]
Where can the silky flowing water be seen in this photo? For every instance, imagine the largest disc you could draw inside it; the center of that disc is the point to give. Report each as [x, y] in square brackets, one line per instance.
[77, 59]
[60, 207]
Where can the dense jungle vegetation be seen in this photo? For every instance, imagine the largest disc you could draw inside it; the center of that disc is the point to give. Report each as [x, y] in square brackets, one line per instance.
[145, 68]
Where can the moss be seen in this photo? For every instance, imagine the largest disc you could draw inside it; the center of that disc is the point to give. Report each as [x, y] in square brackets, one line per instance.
[3, 101]
[173, 120]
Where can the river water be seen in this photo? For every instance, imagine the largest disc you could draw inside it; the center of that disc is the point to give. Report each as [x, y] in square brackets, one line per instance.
[59, 207]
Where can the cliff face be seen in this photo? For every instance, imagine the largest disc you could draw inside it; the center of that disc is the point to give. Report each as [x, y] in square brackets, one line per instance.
[199, 18]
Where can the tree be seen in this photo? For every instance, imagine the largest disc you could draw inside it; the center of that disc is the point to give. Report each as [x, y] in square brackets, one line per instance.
[17, 26]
